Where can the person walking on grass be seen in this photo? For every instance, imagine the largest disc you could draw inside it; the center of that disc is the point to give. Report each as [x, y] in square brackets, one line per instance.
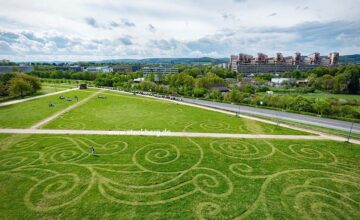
[92, 150]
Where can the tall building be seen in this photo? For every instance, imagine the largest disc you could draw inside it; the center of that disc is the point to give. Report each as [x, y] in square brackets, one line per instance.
[296, 58]
[279, 58]
[263, 64]
[315, 58]
[234, 59]
[261, 58]
[334, 58]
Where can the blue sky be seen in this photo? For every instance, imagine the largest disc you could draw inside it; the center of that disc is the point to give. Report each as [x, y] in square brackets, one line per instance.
[74, 30]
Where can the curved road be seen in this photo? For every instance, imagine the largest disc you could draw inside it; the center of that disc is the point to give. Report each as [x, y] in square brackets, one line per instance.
[306, 119]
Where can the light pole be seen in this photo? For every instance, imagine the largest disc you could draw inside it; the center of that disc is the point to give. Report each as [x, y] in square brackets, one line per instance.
[352, 125]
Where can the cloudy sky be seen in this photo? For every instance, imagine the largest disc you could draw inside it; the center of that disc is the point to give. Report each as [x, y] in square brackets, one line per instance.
[74, 30]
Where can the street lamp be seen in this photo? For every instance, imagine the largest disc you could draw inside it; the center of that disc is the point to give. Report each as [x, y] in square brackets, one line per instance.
[352, 125]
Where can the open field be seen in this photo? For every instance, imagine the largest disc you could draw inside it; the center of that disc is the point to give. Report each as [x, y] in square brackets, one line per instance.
[129, 112]
[50, 177]
[25, 114]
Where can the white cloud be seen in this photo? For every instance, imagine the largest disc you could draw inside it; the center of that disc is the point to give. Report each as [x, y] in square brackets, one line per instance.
[92, 29]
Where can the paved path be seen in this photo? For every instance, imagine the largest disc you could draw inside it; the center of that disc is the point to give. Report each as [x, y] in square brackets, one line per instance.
[35, 97]
[306, 119]
[157, 133]
[52, 117]
[172, 134]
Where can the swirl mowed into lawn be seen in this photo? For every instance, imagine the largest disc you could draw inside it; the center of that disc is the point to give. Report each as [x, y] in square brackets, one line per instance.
[129, 112]
[129, 177]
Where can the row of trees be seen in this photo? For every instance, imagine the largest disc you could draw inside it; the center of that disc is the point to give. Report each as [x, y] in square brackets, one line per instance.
[58, 74]
[18, 84]
[344, 79]
[296, 103]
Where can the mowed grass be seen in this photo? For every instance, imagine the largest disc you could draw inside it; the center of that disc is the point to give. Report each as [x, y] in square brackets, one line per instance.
[47, 88]
[25, 114]
[129, 112]
[55, 177]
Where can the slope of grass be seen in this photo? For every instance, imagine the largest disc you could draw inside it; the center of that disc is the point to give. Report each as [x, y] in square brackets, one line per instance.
[55, 177]
[27, 113]
[130, 112]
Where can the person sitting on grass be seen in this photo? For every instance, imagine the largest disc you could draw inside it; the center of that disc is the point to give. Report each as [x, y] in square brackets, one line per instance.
[92, 150]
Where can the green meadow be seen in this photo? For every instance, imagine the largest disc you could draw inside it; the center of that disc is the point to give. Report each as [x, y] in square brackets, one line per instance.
[25, 114]
[130, 112]
[55, 177]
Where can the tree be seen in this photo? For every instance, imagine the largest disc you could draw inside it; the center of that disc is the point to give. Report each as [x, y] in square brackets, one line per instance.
[235, 96]
[354, 86]
[341, 82]
[34, 81]
[321, 106]
[216, 95]
[249, 89]
[327, 82]
[301, 104]
[199, 92]
[18, 86]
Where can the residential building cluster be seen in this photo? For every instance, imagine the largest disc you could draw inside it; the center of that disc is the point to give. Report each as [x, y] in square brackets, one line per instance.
[261, 63]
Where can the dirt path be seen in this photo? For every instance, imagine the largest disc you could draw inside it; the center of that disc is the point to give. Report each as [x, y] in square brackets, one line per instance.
[52, 117]
[172, 134]
[36, 97]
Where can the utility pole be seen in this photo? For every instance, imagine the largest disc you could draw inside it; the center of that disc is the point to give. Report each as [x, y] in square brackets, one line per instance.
[352, 125]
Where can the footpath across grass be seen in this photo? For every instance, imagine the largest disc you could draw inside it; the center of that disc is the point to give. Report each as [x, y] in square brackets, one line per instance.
[56, 177]
[25, 114]
[119, 111]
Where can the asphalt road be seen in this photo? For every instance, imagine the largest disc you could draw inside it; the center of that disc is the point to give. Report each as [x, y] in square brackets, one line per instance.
[305, 119]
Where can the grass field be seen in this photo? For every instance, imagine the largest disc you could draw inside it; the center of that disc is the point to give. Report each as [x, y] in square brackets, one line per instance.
[129, 112]
[25, 114]
[47, 88]
[54, 177]
[138, 177]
